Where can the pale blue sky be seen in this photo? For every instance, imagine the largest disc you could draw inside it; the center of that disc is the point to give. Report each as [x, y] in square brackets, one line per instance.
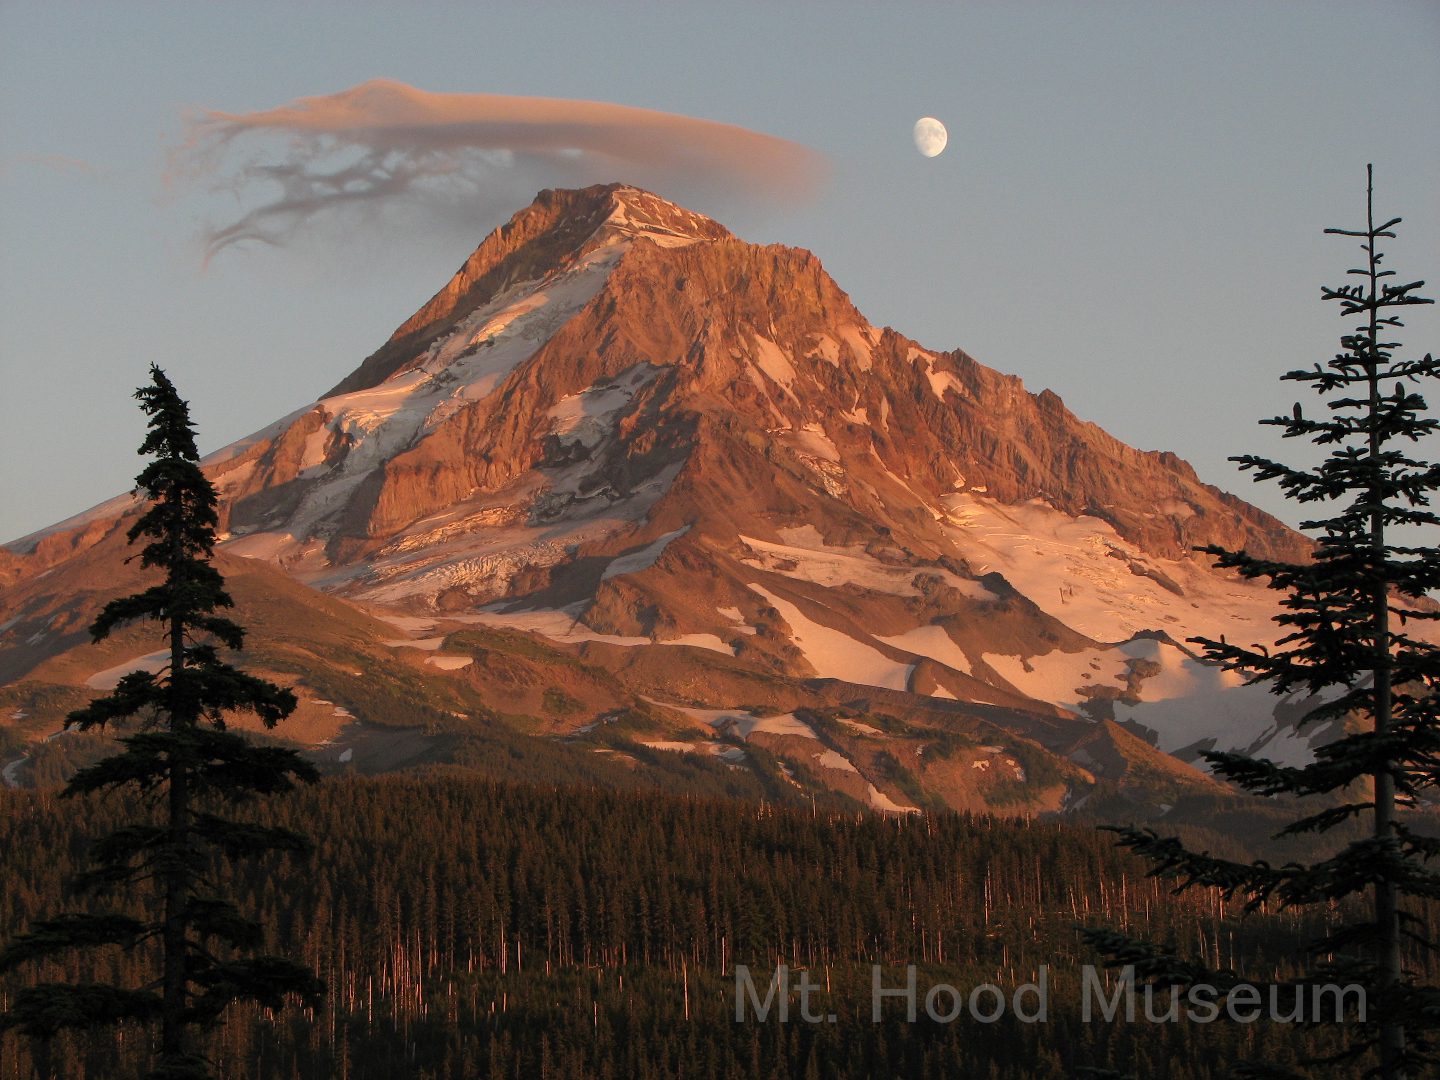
[1129, 211]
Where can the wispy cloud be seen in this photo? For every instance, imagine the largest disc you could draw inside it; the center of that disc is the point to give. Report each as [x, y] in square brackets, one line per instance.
[385, 146]
[60, 163]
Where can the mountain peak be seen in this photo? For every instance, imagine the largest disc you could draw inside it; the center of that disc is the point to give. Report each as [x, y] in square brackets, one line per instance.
[636, 212]
[697, 474]
[560, 228]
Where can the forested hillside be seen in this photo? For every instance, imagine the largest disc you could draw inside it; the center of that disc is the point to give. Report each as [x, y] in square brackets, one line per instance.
[475, 928]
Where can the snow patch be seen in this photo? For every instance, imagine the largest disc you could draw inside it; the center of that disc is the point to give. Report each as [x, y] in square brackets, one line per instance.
[943, 381]
[11, 772]
[737, 618]
[699, 641]
[829, 759]
[880, 801]
[861, 349]
[642, 559]
[771, 359]
[743, 722]
[826, 348]
[1190, 702]
[1057, 677]
[108, 679]
[588, 418]
[449, 663]
[812, 440]
[835, 655]
[1183, 704]
[934, 642]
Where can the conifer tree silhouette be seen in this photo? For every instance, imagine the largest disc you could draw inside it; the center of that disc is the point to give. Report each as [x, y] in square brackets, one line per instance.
[1347, 619]
[186, 767]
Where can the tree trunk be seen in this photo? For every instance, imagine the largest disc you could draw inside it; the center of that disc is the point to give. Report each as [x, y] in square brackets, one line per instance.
[1387, 918]
[173, 1006]
[176, 874]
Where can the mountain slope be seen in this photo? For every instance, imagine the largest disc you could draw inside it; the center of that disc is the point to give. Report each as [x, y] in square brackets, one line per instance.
[631, 473]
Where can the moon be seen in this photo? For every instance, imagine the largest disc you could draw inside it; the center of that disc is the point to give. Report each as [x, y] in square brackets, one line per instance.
[930, 136]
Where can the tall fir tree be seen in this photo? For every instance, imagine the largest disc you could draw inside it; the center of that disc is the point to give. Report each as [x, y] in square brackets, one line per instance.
[186, 766]
[1347, 622]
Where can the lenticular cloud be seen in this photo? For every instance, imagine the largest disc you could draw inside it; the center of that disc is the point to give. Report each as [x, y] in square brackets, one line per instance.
[384, 146]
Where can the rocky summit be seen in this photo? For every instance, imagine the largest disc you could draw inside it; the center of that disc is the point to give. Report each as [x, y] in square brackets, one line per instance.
[642, 492]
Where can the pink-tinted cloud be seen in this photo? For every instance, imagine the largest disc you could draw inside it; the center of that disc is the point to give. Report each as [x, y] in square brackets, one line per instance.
[384, 145]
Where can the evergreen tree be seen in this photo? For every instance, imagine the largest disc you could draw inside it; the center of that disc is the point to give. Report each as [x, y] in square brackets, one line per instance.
[1347, 617]
[186, 766]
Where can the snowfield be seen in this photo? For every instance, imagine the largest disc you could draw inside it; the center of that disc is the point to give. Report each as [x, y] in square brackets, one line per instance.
[1037, 548]
[835, 655]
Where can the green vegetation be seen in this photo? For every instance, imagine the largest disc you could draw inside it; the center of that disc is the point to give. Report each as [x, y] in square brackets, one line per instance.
[481, 639]
[391, 695]
[476, 929]
[559, 703]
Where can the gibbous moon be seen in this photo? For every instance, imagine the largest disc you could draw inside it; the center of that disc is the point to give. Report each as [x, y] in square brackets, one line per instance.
[930, 136]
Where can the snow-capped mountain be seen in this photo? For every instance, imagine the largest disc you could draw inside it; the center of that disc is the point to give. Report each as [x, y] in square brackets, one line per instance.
[626, 465]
